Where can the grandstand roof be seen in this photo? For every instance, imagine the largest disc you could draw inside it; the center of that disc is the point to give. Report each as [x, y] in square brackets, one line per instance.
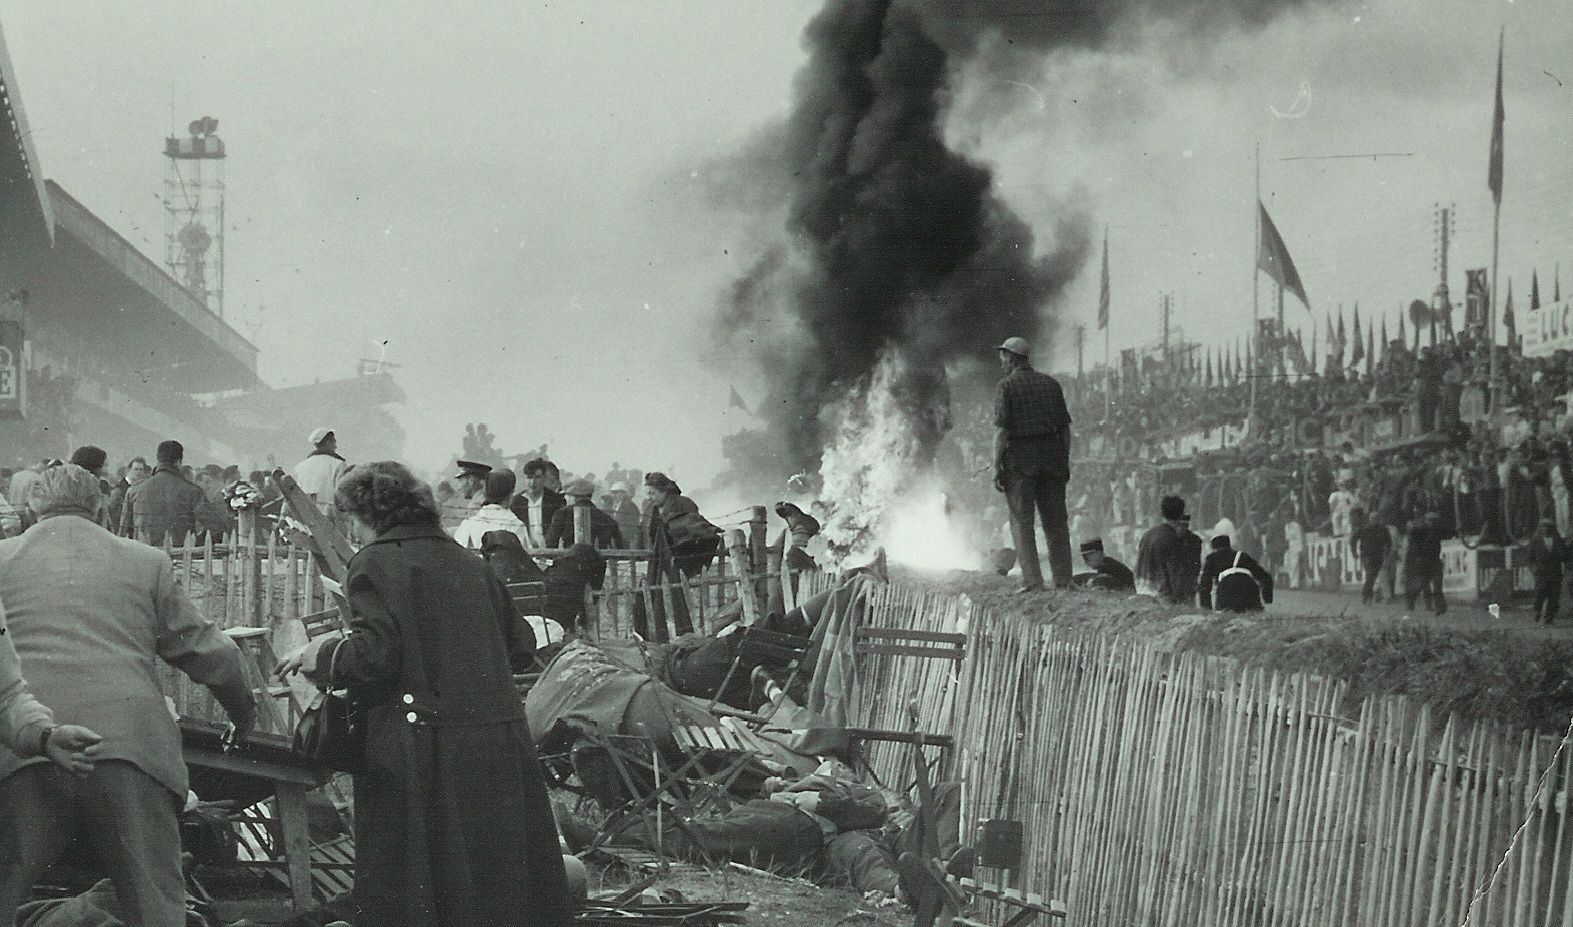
[28, 224]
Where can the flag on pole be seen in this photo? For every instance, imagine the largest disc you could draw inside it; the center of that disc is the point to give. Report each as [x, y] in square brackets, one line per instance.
[1103, 288]
[1494, 174]
[1358, 354]
[1209, 378]
[1401, 337]
[1385, 342]
[1331, 339]
[1370, 347]
[736, 402]
[1507, 314]
[1534, 291]
[1273, 257]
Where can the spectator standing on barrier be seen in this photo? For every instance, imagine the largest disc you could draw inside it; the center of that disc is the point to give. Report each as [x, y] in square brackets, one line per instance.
[91, 616]
[1423, 563]
[1548, 555]
[166, 505]
[1032, 462]
[1370, 543]
[1232, 581]
[1168, 563]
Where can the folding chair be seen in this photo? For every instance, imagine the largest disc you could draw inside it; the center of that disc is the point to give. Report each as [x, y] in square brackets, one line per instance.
[625, 775]
[900, 642]
[529, 597]
[717, 757]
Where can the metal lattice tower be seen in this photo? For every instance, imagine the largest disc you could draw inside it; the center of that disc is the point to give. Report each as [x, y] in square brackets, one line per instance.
[194, 205]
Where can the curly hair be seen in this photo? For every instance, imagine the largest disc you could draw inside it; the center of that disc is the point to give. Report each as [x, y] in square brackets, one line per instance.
[384, 494]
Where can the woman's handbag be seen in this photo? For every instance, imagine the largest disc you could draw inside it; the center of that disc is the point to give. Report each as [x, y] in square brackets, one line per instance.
[331, 735]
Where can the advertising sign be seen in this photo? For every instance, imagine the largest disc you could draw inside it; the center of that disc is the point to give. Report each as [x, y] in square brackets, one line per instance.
[12, 370]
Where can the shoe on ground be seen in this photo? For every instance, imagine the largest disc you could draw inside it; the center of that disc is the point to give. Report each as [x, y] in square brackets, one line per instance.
[1023, 590]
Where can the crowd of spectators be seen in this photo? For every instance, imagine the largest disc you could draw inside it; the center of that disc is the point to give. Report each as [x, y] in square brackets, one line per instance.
[1408, 435]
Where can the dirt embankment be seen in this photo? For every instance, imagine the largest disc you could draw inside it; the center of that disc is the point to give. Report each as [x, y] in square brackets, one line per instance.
[1497, 673]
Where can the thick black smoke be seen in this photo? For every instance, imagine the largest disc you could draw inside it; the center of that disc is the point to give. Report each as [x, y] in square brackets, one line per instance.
[895, 242]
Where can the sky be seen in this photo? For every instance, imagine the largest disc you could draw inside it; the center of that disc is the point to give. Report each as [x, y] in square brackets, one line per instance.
[524, 199]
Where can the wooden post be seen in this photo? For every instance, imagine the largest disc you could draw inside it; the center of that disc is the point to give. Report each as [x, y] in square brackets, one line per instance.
[251, 562]
[737, 550]
[775, 566]
[297, 841]
[581, 525]
[757, 562]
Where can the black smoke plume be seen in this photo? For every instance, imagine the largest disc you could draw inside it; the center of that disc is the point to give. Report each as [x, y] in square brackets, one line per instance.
[897, 244]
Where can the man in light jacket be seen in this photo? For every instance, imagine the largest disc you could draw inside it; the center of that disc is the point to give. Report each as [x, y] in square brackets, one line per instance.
[91, 615]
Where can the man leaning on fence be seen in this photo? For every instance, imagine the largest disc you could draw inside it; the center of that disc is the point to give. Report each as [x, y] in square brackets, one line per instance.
[166, 504]
[1032, 462]
[91, 615]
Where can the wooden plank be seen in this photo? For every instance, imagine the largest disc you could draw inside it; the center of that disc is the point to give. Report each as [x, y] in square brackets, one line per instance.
[911, 634]
[904, 650]
[297, 842]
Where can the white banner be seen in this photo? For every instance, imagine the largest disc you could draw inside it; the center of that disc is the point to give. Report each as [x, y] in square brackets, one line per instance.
[1459, 574]
[1549, 329]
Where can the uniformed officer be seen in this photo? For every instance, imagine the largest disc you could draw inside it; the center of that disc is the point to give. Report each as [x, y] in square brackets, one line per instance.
[1032, 462]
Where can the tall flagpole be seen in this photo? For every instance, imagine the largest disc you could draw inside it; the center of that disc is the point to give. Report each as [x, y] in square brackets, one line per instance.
[1256, 255]
[1496, 225]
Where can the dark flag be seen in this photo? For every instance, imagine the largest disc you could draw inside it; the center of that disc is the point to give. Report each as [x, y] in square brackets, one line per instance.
[1401, 337]
[1103, 288]
[1507, 314]
[1358, 354]
[1370, 348]
[736, 402]
[1534, 291]
[1385, 342]
[1494, 174]
[1209, 379]
[1273, 257]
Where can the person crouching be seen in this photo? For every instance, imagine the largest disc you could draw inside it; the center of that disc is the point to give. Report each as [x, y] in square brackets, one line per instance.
[1232, 581]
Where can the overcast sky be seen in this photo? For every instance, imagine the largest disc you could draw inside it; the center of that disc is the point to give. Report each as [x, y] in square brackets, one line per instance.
[513, 194]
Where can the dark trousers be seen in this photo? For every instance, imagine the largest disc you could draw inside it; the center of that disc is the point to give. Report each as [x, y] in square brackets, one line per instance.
[1425, 578]
[1372, 569]
[127, 816]
[1548, 598]
[1030, 494]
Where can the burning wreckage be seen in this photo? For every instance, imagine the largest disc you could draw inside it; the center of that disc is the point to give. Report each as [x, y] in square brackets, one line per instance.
[735, 747]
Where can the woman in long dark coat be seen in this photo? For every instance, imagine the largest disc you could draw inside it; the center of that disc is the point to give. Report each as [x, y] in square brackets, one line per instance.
[682, 545]
[452, 824]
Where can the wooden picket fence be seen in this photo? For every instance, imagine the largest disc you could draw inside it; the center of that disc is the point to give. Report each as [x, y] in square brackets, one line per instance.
[252, 588]
[1178, 789]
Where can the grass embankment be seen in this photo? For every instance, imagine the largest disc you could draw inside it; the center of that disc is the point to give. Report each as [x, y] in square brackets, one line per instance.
[1502, 672]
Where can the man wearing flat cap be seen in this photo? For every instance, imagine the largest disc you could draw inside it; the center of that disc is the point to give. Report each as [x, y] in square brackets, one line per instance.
[604, 532]
[1107, 572]
[1032, 462]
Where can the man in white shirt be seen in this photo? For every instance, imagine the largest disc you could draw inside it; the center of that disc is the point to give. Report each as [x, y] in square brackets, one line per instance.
[1340, 504]
[493, 515]
[318, 475]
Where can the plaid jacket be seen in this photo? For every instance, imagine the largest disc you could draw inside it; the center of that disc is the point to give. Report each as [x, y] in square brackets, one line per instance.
[1030, 403]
